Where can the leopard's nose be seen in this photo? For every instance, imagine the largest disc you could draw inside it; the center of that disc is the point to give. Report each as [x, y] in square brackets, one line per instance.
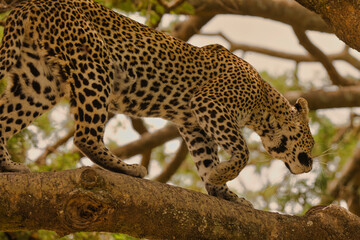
[305, 160]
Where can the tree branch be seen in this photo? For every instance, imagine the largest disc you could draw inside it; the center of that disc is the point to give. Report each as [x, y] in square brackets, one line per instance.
[41, 160]
[322, 99]
[91, 200]
[348, 184]
[174, 164]
[171, 5]
[147, 141]
[323, 59]
[344, 55]
[186, 29]
[288, 12]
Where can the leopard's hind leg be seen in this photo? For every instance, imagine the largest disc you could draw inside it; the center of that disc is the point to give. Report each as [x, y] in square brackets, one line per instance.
[91, 80]
[89, 99]
[32, 89]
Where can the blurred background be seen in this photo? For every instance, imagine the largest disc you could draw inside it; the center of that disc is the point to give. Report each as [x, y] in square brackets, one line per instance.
[291, 47]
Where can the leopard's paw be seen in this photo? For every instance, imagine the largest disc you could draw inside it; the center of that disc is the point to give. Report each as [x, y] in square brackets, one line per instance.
[222, 173]
[243, 201]
[14, 167]
[136, 170]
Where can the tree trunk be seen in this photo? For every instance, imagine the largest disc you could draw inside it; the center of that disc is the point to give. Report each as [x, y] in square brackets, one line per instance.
[89, 199]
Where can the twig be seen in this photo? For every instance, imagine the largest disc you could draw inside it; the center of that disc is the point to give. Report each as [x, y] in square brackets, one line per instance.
[344, 55]
[41, 160]
[171, 5]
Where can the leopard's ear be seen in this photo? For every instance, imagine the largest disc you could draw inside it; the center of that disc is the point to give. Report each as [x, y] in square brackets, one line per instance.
[301, 106]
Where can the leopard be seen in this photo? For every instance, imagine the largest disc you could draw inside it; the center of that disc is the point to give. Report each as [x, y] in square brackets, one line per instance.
[102, 61]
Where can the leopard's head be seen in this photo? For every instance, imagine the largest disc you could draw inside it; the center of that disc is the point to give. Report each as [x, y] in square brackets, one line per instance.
[292, 141]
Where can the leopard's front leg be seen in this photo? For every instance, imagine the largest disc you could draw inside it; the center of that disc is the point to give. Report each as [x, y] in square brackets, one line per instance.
[204, 153]
[220, 124]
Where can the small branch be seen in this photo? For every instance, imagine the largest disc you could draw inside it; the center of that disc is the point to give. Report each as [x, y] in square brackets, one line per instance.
[170, 5]
[343, 55]
[347, 185]
[192, 25]
[174, 164]
[322, 58]
[95, 200]
[147, 141]
[41, 160]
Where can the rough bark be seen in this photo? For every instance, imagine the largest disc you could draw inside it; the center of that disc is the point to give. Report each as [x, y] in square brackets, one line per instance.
[90, 199]
[343, 16]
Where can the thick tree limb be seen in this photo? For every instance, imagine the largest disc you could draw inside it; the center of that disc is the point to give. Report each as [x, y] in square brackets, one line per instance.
[284, 11]
[89, 199]
[322, 99]
[343, 16]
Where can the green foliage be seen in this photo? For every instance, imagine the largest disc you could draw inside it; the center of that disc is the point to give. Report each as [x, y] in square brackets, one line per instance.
[284, 82]
[19, 144]
[152, 10]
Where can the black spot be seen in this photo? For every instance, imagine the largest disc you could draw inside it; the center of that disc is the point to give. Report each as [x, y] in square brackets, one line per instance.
[81, 97]
[33, 69]
[282, 147]
[36, 87]
[47, 90]
[96, 118]
[34, 56]
[87, 118]
[89, 92]
[207, 163]
[140, 93]
[96, 104]
[10, 108]
[89, 108]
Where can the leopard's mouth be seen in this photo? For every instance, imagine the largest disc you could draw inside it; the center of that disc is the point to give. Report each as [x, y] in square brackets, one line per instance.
[300, 170]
